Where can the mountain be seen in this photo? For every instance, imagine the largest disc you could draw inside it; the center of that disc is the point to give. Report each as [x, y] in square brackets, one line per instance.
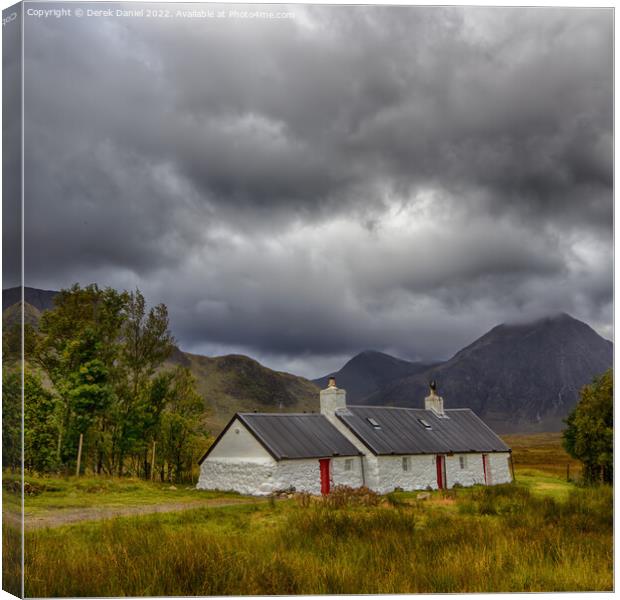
[368, 372]
[39, 299]
[228, 384]
[522, 378]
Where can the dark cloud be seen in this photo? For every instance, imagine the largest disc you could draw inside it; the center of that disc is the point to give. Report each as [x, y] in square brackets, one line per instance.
[357, 177]
[11, 138]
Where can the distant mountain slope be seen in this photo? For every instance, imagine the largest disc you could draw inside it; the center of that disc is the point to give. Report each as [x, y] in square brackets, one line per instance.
[39, 299]
[516, 377]
[368, 372]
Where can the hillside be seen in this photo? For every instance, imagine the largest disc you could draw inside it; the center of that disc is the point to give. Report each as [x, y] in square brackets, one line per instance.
[39, 299]
[12, 315]
[369, 371]
[238, 383]
[516, 377]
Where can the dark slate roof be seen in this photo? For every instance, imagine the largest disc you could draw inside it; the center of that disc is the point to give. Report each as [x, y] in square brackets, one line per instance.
[289, 435]
[402, 433]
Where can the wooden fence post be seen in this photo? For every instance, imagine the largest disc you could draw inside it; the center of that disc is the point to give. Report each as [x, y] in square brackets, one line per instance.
[153, 462]
[79, 456]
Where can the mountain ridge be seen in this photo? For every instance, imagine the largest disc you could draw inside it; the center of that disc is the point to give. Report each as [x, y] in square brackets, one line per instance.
[370, 370]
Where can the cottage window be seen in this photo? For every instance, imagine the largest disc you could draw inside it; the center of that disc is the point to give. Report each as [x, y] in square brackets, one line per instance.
[348, 464]
[373, 422]
[405, 463]
[463, 462]
[425, 424]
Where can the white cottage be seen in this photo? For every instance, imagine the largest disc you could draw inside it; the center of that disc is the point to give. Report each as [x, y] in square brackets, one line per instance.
[382, 448]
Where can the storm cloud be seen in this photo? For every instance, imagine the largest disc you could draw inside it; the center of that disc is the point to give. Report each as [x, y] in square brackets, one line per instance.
[302, 189]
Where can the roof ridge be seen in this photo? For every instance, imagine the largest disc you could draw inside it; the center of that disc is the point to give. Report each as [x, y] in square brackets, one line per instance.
[374, 406]
[310, 414]
[386, 407]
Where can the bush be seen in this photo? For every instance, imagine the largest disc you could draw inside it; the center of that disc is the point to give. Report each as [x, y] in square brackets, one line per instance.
[395, 500]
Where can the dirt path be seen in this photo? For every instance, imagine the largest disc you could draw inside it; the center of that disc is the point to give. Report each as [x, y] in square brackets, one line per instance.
[68, 516]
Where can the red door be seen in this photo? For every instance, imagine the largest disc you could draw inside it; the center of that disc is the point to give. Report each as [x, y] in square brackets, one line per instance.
[439, 463]
[324, 464]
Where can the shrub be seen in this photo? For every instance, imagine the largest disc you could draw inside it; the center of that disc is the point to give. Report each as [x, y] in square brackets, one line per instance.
[395, 500]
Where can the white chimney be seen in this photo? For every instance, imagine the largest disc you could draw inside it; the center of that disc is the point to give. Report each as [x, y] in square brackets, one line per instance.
[434, 401]
[332, 398]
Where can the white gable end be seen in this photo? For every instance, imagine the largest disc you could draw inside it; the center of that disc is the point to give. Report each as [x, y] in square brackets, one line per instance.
[239, 444]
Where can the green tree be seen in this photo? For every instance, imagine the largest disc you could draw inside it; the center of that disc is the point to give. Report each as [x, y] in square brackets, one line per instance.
[91, 394]
[40, 426]
[145, 343]
[77, 348]
[181, 426]
[589, 433]
[11, 419]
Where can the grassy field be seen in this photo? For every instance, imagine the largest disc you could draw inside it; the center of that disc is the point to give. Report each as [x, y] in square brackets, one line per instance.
[52, 494]
[543, 452]
[540, 534]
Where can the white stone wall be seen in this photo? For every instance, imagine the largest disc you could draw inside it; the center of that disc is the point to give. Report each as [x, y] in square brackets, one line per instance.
[499, 463]
[340, 476]
[305, 475]
[371, 470]
[422, 473]
[472, 474]
[237, 475]
[257, 478]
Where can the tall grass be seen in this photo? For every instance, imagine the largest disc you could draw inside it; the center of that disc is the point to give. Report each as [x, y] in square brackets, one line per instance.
[11, 559]
[498, 539]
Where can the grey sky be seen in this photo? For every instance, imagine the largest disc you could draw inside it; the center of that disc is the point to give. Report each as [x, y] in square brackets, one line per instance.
[299, 190]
